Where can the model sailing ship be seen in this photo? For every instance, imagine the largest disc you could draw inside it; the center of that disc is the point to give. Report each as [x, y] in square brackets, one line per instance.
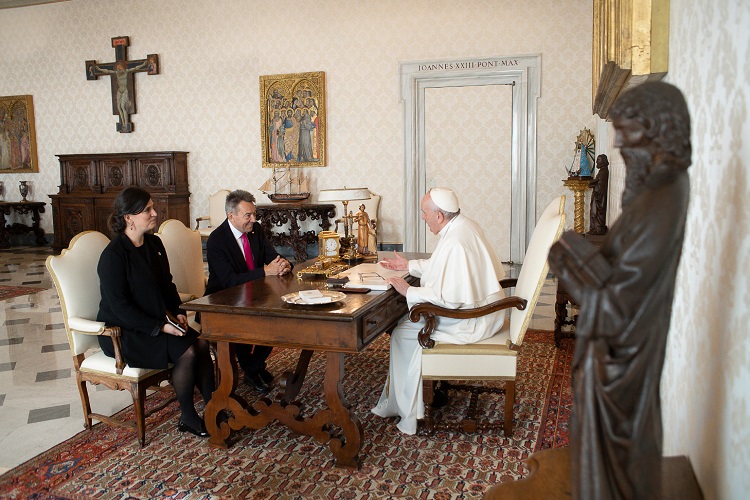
[286, 185]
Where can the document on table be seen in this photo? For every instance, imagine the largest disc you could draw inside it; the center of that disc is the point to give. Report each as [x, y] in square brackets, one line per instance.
[372, 276]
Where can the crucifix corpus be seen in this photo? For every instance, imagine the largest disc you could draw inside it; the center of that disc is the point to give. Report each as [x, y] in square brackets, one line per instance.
[121, 78]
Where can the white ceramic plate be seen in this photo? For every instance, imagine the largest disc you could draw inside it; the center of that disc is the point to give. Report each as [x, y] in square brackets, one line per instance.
[328, 297]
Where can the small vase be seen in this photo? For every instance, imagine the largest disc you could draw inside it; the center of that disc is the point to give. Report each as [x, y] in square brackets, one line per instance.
[23, 187]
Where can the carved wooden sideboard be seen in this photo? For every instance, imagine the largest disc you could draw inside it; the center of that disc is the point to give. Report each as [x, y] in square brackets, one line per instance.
[89, 184]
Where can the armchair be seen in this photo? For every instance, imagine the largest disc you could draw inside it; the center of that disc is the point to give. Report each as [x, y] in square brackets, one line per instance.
[216, 213]
[185, 254]
[495, 358]
[77, 283]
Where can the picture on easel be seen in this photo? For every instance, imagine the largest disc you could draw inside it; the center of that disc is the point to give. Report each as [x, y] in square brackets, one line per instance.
[17, 135]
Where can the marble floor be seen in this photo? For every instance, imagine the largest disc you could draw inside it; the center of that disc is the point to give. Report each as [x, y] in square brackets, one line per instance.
[39, 402]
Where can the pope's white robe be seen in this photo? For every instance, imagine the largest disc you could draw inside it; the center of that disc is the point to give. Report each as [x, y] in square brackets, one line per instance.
[463, 272]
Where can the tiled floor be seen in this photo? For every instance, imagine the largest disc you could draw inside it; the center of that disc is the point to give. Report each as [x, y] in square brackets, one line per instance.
[39, 402]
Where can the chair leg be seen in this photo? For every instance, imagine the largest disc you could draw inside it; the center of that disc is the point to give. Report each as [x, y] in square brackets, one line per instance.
[428, 394]
[510, 398]
[85, 402]
[139, 403]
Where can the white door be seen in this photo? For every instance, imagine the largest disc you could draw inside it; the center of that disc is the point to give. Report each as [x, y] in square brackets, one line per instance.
[468, 135]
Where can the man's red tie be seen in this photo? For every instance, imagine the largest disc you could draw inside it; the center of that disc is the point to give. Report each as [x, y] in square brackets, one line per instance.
[248, 252]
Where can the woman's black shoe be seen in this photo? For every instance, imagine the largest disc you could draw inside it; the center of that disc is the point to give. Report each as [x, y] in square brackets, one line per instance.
[183, 427]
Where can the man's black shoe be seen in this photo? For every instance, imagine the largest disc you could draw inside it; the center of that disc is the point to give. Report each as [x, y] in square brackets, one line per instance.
[255, 381]
[266, 376]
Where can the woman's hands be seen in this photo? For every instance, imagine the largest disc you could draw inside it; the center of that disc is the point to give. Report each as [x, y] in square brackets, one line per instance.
[173, 330]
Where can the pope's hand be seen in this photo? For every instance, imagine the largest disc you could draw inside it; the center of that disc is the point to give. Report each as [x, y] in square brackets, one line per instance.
[397, 263]
[400, 284]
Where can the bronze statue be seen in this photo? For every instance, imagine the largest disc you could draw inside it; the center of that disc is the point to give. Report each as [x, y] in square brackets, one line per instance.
[626, 301]
[600, 185]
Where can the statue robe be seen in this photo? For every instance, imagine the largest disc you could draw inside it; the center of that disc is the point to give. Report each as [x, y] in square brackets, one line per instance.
[616, 429]
[463, 272]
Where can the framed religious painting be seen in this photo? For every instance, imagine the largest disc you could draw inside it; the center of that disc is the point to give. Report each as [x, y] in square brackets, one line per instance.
[293, 120]
[17, 135]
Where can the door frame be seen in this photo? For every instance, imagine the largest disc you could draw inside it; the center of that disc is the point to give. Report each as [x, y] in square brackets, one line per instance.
[524, 73]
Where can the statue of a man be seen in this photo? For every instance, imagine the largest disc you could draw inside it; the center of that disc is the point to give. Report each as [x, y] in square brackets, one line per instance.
[616, 429]
[600, 185]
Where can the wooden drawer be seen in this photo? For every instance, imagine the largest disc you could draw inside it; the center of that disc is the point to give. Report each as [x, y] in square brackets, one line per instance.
[378, 321]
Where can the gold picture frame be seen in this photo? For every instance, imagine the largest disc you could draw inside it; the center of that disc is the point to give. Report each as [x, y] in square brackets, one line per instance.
[17, 135]
[290, 106]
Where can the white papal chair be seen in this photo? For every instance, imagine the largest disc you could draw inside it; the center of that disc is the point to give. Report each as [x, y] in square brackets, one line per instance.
[185, 255]
[495, 358]
[216, 213]
[77, 283]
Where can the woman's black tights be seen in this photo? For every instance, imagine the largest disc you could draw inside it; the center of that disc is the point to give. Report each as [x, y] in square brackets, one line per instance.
[193, 368]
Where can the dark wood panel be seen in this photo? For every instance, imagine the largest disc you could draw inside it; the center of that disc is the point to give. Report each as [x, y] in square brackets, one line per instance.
[89, 184]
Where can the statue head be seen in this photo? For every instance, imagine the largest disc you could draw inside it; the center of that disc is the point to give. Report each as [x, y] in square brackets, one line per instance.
[602, 162]
[652, 126]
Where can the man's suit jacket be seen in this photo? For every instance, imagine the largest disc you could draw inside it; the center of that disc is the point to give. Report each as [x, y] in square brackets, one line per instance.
[226, 263]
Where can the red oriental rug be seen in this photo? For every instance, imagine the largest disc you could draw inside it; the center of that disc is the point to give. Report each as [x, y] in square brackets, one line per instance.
[8, 292]
[273, 462]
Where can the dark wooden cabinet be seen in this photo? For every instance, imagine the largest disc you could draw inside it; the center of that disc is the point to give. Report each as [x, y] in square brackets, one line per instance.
[89, 184]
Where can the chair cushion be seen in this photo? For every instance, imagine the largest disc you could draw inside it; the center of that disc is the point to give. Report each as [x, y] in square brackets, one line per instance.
[487, 359]
[101, 363]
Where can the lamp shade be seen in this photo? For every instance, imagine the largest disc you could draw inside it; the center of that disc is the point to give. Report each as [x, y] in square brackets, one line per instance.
[344, 194]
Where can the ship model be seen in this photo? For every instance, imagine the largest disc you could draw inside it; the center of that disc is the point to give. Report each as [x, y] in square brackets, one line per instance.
[286, 185]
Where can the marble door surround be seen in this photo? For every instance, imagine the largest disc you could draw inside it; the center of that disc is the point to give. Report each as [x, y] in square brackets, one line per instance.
[523, 72]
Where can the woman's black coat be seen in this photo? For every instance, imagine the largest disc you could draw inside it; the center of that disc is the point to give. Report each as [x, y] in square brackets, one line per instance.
[135, 297]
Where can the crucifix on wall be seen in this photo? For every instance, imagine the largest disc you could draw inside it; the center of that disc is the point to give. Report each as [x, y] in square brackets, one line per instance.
[121, 78]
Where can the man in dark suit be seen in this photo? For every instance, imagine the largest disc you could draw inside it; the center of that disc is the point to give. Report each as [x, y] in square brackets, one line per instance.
[238, 252]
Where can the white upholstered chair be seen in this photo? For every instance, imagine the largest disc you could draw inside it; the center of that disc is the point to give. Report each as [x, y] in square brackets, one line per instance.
[216, 213]
[495, 358]
[77, 283]
[185, 255]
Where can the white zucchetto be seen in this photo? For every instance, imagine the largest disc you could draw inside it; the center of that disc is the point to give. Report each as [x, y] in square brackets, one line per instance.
[445, 199]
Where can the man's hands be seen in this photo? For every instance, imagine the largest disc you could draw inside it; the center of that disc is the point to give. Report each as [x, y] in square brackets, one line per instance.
[400, 284]
[397, 263]
[278, 267]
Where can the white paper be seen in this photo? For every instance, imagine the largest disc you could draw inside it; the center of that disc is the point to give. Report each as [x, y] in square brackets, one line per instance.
[313, 297]
[371, 276]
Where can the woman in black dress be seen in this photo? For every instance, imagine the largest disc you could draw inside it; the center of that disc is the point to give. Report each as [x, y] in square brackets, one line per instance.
[137, 293]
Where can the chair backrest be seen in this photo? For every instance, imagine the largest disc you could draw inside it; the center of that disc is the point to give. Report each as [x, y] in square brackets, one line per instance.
[185, 254]
[77, 283]
[535, 266]
[216, 210]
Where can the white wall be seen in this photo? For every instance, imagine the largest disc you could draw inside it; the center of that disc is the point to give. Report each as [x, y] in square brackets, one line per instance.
[706, 381]
[206, 99]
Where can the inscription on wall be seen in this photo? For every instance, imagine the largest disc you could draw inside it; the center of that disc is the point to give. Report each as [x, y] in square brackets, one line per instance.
[493, 63]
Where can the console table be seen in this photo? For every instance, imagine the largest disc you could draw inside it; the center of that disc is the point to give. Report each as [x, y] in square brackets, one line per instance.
[21, 208]
[273, 215]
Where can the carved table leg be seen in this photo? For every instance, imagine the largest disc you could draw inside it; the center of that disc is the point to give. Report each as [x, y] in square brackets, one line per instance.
[346, 451]
[294, 380]
[223, 397]
[4, 234]
[561, 313]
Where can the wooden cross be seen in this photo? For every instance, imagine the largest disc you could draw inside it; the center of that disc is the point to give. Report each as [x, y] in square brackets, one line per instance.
[121, 77]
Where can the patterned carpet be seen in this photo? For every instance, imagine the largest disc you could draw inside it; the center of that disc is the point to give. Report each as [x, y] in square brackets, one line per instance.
[106, 462]
[8, 292]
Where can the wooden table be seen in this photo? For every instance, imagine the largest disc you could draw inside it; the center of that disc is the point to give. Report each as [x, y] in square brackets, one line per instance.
[254, 313]
[33, 208]
[275, 215]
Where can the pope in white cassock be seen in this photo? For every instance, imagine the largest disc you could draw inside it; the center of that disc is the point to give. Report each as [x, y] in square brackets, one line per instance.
[463, 272]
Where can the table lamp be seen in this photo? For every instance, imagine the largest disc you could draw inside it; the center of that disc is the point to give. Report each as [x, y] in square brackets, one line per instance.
[345, 195]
